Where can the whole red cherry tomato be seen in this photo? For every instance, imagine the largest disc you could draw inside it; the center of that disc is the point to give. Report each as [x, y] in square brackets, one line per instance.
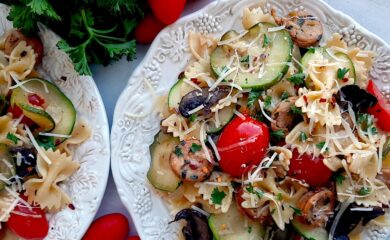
[148, 29]
[28, 227]
[243, 143]
[309, 169]
[167, 11]
[134, 238]
[113, 226]
[381, 110]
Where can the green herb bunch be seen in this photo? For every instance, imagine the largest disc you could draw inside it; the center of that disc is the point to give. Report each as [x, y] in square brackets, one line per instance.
[93, 31]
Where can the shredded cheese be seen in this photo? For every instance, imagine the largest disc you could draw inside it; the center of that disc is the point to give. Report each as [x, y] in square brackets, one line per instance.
[336, 220]
[209, 138]
[275, 29]
[200, 210]
[54, 135]
[197, 109]
[37, 147]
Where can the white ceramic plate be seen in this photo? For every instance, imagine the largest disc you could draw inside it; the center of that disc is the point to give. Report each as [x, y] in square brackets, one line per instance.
[86, 187]
[167, 57]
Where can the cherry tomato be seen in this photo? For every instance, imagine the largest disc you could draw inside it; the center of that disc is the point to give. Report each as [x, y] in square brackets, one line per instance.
[28, 227]
[381, 110]
[134, 238]
[148, 29]
[167, 11]
[242, 144]
[17, 112]
[113, 226]
[309, 169]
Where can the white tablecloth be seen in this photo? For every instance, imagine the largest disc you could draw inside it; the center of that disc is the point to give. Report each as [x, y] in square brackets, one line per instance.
[111, 80]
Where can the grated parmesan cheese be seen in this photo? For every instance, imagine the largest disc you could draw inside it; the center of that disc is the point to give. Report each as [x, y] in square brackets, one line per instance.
[37, 147]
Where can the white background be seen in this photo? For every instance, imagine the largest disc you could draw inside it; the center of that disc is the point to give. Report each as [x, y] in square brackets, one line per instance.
[111, 80]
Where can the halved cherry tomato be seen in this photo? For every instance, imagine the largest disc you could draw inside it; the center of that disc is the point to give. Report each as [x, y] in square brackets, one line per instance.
[34, 226]
[167, 11]
[17, 112]
[381, 110]
[243, 143]
[113, 226]
[310, 169]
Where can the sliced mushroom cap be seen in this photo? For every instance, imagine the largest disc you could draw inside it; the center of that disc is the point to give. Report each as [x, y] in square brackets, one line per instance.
[207, 98]
[305, 29]
[197, 227]
[317, 206]
[284, 119]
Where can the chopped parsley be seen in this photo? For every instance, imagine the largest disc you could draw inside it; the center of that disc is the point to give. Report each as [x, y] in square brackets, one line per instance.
[273, 211]
[303, 137]
[46, 142]
[311, 50]
[297, 79]
[341, 72]
[296, 110]
[279, 197]
[253, 97]
[178, 151]
[279, 134]
[297, 211]
[193, 117]
[249, 229]
[374, 130]
[12, 137]
[284, 95]
[267, 101]
[321, 145]
[217, 196]
[195, 148]
[258, 193]
[224, 69]
[339, 178]
[266, 41]
[364, 191]
[245, 59]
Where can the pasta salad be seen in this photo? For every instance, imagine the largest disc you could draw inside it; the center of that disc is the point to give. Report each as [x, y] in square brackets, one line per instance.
[269, 135]
[38, 128]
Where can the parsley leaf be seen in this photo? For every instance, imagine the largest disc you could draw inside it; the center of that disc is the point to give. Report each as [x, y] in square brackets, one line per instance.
[249, 229]
[311, 50]
[12, 137]
[193, 117]
[341, 72]
[302, 137]
[266, 41]
[195, 148]
[245, 59]
[46, 142]
[296, 110]
[259, 193]
[279, 134]
[217, 196]
[178, 151]
[297, 211]
[339, 178]
[321, 145]
[273, 211]
[284, 95]
[253, 97]
[279, 197]
[267, 101]
[297, 79]
[364, 191]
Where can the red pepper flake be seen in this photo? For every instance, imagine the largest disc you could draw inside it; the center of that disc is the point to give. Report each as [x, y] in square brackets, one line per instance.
[345, 79]
[193, 167]
[195, 80]
[322, 100]
[30, 169]
[36, 100]
[58, 141]
[71, 206]
[305, 98]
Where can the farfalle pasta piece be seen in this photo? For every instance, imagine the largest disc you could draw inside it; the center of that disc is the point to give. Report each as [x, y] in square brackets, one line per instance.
[206, 190]
[232, 98]
[45, 190]
[363, 61]
[201, 46]
[7, 204]
[200, 70]
[378, 193]
[7, 126]
[363, 161]
[80, 133]
[282, 163]
[336, 42]
[178, 126]
[254, 15]
[21, 60]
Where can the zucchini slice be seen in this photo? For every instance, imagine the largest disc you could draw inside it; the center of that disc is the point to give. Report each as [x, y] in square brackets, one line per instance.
[160, 174]
[276, 46]
[57, 114]
[7, 165]
[225, 116]
[177, 92]
[309, 232]
[320, 53]
[231, 226]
